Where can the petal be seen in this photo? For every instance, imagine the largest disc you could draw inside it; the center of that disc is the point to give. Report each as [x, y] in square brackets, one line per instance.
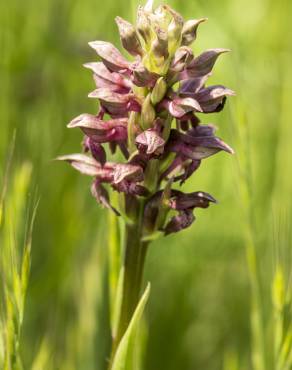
[90, 121]
[189, 103]
[98, 152]
[129, 37]
[143, 24]
[189, 31]
[203, 135]
[130, 188]
[142, 77]
[181, 201]
[82, 163]
[189, 169]
[192, 85]
[127, 172]
[212, 97]
[101, 195]
[100, 130]
[104, 78]
[152, 141]
[179, 107]
[203, 64]
[196, 144]
[111, 56]
[182, 221]
[115, 104]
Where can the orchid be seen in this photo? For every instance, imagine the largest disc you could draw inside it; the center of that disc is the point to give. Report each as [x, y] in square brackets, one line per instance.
[149, 109]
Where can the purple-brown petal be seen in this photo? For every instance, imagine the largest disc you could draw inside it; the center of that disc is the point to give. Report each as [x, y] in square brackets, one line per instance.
[191, 86]
[101, 195]
[99, 130]
[130, 188]
[82, 163]
[181, 201]
[204, 63]
[96, 149]
[212, 97]
[182, 221]
[115, 104]
[105, 79]
[198, 143]
[111, 56]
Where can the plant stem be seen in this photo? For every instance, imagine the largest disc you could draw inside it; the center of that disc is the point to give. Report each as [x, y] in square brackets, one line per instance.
[134, 259]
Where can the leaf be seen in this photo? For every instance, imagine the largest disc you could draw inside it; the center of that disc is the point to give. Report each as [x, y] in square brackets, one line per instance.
[6, 176]
[126, 346]
[116, 309]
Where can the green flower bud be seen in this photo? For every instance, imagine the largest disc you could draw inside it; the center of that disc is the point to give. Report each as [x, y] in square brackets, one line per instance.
[132, 129]
[189, 32]
[129, 37]
[174, 30]
[158, 91]
[159, 47]
[149, 6]
[143, 27]
[148, 113]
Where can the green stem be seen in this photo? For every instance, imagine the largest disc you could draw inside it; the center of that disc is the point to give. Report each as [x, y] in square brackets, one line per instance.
[134, 260]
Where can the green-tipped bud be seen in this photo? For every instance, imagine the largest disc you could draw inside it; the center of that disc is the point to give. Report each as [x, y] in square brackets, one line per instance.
[143, 27]
[174, 30]
[149, 6]
[159, 47]
[148, 113]
[189, 31]
[158, 91]
[129, 37]
[133, 124]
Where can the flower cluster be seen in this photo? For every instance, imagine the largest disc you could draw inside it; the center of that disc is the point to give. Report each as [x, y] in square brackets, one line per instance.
[148, 112]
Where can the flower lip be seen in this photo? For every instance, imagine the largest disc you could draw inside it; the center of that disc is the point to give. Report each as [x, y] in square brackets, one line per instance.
[152, 141]
[181, 201]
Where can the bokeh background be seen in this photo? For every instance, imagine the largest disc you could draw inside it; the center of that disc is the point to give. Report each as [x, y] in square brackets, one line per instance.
[204, 297]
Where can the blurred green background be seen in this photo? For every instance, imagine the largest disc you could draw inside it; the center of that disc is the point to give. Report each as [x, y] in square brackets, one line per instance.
[201, 301]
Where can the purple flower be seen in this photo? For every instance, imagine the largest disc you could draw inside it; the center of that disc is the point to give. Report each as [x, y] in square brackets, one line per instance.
[100, 131]
[148, 110]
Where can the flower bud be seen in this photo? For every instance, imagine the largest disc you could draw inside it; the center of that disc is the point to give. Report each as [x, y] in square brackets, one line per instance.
[129, 37]
[189, 31]
[132, 128]
[159, 91]
[159, 47]
[143, 27]
[174, 30]
[149, 6]
[148, 113]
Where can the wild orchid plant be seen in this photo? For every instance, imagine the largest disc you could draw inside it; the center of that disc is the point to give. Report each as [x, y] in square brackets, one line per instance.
[148, 112]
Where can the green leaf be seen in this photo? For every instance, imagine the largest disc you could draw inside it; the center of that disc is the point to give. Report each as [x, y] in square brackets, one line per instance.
[127, 345]
[118, 303]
